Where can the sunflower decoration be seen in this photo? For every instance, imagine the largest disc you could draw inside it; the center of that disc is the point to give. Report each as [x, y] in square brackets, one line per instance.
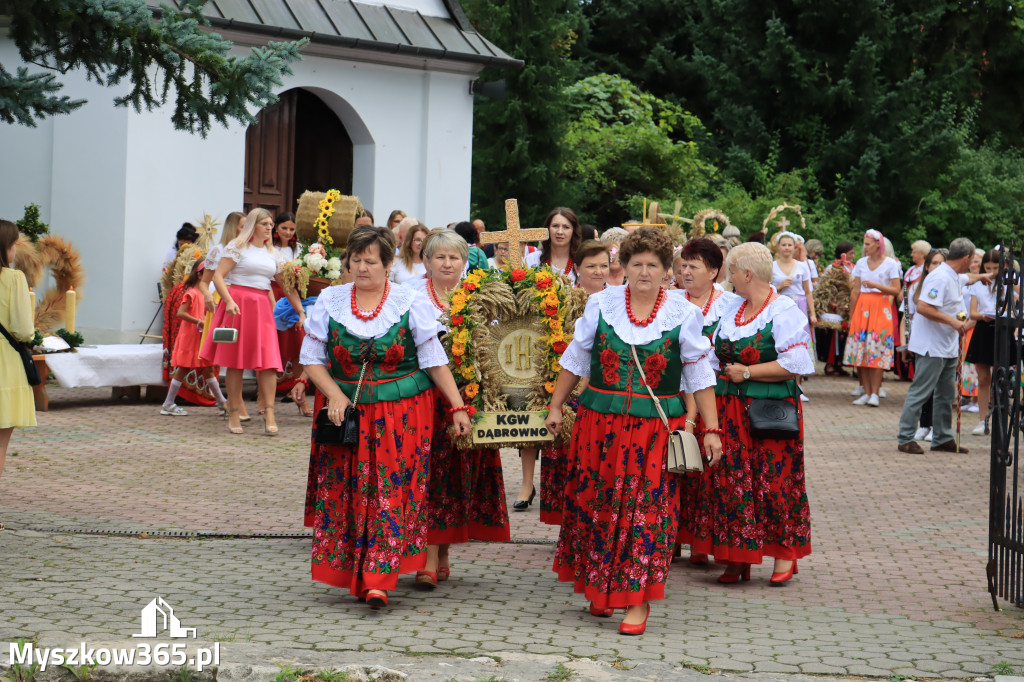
[542, 300]
[700, 225]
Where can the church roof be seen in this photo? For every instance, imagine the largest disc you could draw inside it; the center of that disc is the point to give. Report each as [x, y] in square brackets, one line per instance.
[376, 27]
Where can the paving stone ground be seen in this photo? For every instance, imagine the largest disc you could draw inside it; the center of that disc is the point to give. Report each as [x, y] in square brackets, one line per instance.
[895, 586]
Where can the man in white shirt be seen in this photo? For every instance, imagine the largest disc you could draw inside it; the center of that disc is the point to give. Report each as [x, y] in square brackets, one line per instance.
[935, 341]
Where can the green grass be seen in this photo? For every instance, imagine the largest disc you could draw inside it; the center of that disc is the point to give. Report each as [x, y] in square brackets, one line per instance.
[701, 668]
[560, 674]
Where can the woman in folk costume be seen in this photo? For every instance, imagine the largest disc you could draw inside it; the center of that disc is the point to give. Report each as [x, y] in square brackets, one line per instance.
[700, 262]
[564, 236]
[622, 510]
[370, 522]
[869, 347]
[755, 503]
[466, 493]
[592, 262]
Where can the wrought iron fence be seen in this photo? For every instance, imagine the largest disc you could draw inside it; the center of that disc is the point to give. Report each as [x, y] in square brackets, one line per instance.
[1005, 568]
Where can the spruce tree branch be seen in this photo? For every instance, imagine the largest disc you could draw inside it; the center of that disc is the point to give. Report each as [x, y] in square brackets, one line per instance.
[115, 41]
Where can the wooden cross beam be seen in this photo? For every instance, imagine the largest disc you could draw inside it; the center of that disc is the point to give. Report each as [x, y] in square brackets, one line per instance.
[514, 236]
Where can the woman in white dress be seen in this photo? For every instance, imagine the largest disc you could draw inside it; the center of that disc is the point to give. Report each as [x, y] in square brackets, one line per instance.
[792, 279]
[409, 264]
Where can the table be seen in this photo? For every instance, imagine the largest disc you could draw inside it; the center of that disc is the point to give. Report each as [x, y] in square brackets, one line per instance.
[126, 367]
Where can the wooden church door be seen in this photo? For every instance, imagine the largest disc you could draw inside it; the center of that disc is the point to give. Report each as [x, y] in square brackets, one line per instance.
[296, 144]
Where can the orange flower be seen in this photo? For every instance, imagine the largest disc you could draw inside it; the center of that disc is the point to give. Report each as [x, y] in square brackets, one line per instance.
[549, 387]
[472, 390]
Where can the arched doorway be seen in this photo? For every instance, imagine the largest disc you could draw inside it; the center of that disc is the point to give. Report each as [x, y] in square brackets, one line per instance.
[299, 143]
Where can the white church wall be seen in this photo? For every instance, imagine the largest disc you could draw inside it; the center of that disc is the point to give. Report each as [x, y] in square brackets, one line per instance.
[172, 177]
[118, 184]
[393, 116]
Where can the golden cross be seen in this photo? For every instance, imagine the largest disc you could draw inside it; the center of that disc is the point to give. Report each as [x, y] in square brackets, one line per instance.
[514, 236]
[783, 223]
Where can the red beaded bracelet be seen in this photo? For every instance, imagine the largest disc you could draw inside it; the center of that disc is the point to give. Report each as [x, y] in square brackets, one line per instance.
[304, 382]
[468, 409]
[720, 432]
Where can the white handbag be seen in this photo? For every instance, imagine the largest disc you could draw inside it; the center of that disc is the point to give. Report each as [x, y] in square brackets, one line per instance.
[683, 454]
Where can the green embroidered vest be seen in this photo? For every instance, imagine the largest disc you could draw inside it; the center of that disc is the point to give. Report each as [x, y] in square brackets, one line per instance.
[615, 386]
[752, 350]
[393, 371]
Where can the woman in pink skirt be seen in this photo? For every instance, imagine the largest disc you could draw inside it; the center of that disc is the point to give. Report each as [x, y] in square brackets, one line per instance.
[243, 281]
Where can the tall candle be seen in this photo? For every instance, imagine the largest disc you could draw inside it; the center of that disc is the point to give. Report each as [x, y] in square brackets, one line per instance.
[69, 310]
[32, 297]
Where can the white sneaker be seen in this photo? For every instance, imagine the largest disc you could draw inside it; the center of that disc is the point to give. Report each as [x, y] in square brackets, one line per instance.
[873, 400]
[804, 398]
[980, 430]
[857, 391]
[929, 436]
[863, 400]
[973, 407]
[921, 433]
[173, 411]
[882, 393]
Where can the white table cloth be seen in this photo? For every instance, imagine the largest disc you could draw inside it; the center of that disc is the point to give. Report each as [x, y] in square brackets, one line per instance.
[113, 365]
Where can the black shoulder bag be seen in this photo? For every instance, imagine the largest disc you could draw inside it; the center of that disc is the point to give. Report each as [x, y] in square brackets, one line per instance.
[773, 418]
[31, 371]
[327, 433]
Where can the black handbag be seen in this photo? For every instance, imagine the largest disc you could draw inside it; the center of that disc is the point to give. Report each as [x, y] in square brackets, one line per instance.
[328, 433]
[771, 418]
[31, 371]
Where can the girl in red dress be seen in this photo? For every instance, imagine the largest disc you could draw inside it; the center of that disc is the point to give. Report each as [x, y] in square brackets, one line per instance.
[185, 355]
[622, 509]
[370, 520]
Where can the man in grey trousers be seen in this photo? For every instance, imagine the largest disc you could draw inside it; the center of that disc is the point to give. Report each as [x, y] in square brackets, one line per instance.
[935, 340]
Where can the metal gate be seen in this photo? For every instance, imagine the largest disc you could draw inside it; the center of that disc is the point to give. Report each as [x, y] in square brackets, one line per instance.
[1005, 568]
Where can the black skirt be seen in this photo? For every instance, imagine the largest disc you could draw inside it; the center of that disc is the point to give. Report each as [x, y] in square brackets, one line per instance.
[982, 348]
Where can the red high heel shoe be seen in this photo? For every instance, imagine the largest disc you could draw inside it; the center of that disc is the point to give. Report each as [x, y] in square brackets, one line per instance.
[426, 580]
[784, 576]
[698, 559]
[635, 628]
[733, 578]
[376, 599]
[600, 613]
[443, 573]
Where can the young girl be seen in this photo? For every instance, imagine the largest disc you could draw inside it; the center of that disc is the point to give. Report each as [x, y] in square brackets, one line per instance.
[185, 356]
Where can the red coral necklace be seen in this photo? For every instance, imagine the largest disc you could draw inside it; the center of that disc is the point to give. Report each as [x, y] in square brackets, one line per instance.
[434, 297]
[739, 313]
[711, 299]
[568, 266]
[650, 318]
[367, 316]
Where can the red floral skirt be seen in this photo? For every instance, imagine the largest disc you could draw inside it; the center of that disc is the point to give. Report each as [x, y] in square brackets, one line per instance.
[621, 510]
[754, 501]
[466, 494]
[370, 521]
[690, 486]
[554, 471]
[309, 513]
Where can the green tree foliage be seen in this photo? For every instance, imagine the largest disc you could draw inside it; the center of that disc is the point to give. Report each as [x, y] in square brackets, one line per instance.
[619, 143]
[516, 141]
[161, 54]
[871, 93]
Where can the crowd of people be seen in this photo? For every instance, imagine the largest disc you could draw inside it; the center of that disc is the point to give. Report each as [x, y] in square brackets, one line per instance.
[701, 337]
